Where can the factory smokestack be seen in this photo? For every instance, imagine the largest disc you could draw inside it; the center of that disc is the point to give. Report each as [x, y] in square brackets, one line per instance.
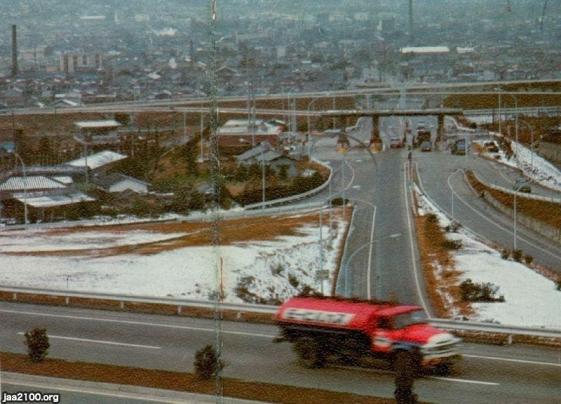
[411, 37]
[14, 50]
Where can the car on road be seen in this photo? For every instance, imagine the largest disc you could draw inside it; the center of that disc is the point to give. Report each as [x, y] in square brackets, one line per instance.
[522, 185]
[396, 142]
[459, 147]
[491, 147]
[426, 146]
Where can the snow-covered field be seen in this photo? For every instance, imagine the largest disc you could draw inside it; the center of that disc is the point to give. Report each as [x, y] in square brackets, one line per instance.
[274, 269]
[43, 240]
[532, 165]
[530, 299]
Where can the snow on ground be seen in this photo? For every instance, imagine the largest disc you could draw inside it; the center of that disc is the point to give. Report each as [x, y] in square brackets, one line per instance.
[269, 270]
[43, 240]
[536, 167]
[532, 165]
[531, 300]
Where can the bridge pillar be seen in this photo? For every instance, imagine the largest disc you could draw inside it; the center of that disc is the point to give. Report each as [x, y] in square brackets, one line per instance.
[440, 130]
[375, 136]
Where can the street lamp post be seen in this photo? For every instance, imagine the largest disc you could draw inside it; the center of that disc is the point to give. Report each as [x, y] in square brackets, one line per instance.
[202, 137]
[362, 247]
[531, 128]
[452, 193]
[515, 218]
[515, 115]
[321, 248]
[263, 175]
[309, 124]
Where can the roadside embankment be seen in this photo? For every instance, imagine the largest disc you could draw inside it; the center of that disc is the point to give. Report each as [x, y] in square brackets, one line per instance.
[539, 215]
[178, 381]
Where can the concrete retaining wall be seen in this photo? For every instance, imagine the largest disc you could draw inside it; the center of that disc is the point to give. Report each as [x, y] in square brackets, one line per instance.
[551, 151]
[539, 227]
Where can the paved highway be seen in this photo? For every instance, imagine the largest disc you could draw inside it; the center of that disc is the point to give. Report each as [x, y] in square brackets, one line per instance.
[488, 374]
[442, 182]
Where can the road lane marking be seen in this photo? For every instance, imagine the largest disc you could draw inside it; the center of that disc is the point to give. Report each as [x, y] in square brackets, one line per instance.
[451, 379]
[392, 372]
[498, 225]
[412, 246]
[478, 213]
[505, 177]
[98, 341]
[352, 176]
[132, 322]
[369, 273]
[498, 358]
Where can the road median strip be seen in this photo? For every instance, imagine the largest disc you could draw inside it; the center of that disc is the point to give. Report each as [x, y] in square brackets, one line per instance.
[177, 381]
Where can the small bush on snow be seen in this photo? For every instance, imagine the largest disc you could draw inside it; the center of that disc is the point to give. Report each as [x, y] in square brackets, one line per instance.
[505, 254]
[452, 244]
[479, 292]
[277, 270]
[432, 218]
[294, 282]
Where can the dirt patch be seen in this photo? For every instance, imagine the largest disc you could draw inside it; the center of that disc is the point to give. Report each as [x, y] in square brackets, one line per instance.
[441, 279]
[186, 382]
[198, 234]
[546, 212]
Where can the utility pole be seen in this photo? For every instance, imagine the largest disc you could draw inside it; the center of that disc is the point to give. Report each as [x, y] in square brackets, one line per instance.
[321, 249]
[202, 137]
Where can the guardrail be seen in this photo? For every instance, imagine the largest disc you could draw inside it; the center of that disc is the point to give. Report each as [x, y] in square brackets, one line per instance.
[518, 194]
[19, 294]
[293, 198]
[495, 328]
[510, 111]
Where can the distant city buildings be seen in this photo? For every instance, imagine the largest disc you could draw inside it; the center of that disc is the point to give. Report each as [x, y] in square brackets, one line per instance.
[113, 53]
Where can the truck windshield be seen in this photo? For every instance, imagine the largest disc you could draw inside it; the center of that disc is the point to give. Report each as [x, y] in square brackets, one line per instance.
[407, 319]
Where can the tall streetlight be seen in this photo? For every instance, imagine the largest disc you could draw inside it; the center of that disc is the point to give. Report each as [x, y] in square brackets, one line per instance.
[309, 125]
[515, 216]
[452, 193]
[24, 187]
[362, 247]
[515, 115]
[531, 128]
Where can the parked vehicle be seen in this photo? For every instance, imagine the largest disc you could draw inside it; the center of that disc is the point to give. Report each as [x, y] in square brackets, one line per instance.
[324, 329]
[459, 147]
[396, 142]
[522, 185]
[426, 146]
[421, 137]
[491, 147]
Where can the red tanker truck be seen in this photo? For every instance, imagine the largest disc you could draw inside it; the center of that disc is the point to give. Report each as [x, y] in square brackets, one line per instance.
[326, 328]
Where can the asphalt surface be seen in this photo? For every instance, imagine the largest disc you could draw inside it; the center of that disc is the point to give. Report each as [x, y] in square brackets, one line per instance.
[488, 374]
[443, 182]
[57, 390]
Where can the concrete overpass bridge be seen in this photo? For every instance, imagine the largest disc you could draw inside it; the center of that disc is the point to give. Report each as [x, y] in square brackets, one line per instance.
[440, 113]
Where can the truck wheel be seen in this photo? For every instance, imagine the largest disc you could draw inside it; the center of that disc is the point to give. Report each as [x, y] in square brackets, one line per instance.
[309, 353]
[406, 363]
[444, 369]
